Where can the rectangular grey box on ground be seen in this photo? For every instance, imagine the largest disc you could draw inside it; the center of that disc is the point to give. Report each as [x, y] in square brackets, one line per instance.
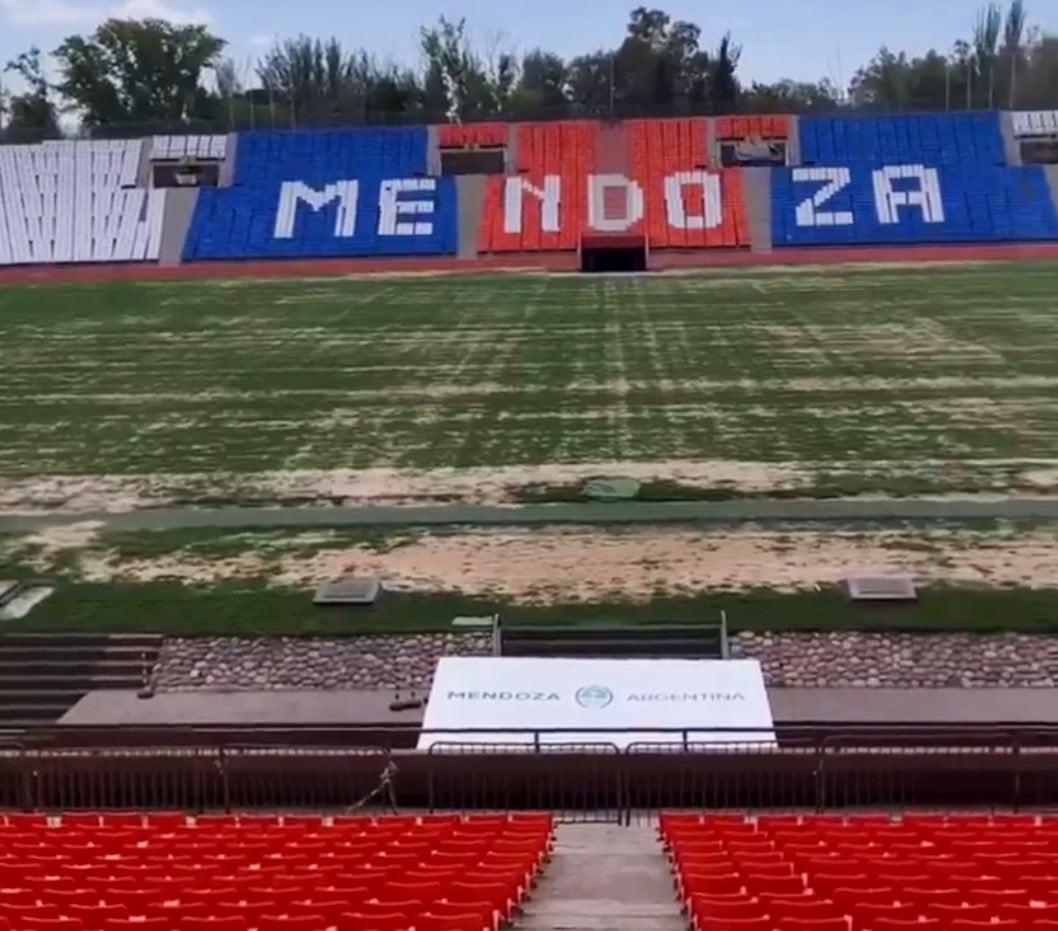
[348, 590]
[881, 588]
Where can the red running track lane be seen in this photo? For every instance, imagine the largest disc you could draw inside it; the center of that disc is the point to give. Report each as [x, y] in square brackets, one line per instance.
[545, 261]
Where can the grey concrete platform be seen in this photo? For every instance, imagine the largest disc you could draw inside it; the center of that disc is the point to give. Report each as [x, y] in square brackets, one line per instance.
[984, 707]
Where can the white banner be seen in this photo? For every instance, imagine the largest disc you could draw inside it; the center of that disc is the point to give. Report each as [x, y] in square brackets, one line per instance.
[637, 696]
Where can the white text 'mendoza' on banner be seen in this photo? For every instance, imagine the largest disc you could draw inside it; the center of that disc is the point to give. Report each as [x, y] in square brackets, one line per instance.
[528, 699]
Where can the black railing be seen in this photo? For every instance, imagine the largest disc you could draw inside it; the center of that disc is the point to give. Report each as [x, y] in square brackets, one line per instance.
[593, 777]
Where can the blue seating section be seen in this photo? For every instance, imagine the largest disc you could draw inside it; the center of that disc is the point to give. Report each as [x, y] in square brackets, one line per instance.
[984, 204]
[242, 221]
[929, 138]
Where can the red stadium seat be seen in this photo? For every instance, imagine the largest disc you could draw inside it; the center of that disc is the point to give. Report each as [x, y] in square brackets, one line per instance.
[432, 922]
[813, 924]
[355, 921]
[735, 924]
[143, 924]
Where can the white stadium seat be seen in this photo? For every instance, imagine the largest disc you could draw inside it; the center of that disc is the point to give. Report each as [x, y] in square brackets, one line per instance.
[77, 202]
[168, 148]
[1036, 123]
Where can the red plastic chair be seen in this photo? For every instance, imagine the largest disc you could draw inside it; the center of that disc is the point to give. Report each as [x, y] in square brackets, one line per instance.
[735, 924]
[1028, 914]
[813, 924]
[743, 908]
[432, 922]
[754, 867]
[409, 909]
[96, 916]
[824, 885]
[51, 924]
[293, 923]
[482, 910]
[924, 897]
[498, 895]
[227, 923]
[867, 916]
[997, 898]
[1008, 924]
[16, 914]
[896, 924]
[80, 819]
[175, 912]
[711, 884]
[774, 885]
[354, 921]
[812, 909]
[949, 913]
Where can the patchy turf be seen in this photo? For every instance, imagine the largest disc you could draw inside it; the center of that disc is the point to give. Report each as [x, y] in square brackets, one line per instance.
[979, 576]
[900, 381]
[254, 609]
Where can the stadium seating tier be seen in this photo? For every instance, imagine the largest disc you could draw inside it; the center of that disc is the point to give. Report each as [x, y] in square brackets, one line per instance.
[335, 193]
[921, 872]
[910, 203]
[133, 872]
[862, 180]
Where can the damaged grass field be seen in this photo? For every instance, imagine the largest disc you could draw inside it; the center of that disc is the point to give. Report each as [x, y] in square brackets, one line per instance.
[899, 381]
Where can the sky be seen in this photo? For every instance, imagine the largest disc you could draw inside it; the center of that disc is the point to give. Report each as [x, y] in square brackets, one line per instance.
[799, 39]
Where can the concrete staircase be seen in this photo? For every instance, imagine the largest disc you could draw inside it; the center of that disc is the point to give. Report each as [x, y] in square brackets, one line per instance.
[1051, 171]
[756, 192]
[611, 149]
[1011, 144]
[42, 676]
[470, 191]
[179, 210]
[604, 877]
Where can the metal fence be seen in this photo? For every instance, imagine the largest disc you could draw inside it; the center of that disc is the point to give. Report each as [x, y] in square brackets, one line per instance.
[592, 779]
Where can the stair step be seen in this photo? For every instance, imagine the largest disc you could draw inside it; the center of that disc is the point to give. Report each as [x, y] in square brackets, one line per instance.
[604, 877]
[42, 676]
[78, 680]
[48, 641]
[13, 696]
[39, 713]
[45, 668]
[70, 654]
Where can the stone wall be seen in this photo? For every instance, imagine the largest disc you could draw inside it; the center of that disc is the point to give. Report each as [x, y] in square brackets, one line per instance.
[859, 660]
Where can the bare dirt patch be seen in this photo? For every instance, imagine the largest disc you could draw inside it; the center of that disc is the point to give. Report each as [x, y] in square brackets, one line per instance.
[582, 564]
[485, 485]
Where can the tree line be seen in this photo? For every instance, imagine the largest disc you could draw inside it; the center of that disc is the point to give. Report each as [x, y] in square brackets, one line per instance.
[138, 76]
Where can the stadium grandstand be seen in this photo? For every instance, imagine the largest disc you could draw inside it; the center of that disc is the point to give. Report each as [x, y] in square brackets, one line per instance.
[633, 194]
[653, 576]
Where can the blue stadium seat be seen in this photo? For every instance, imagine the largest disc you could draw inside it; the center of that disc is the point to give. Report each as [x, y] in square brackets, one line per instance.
[293, 196]
[931, 138]
[844, 206]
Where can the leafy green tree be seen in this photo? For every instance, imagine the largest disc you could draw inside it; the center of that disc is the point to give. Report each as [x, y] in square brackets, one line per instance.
[137, 71]
[31, 114]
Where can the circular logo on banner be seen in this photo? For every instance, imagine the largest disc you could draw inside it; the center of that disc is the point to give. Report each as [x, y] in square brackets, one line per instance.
[594, 696]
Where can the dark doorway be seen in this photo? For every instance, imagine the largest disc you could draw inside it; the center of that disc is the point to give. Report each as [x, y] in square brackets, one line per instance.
[613, 254]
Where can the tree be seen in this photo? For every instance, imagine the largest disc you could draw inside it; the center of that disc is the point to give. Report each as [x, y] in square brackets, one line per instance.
[723, 87]
[791, 97]
[986, 44]
[31, 112]
[137, 71]
[541, 86]
[1014, 47]
[590, 80]
[318, 82]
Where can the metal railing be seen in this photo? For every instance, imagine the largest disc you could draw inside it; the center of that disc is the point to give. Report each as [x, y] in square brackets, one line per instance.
[594, 777]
